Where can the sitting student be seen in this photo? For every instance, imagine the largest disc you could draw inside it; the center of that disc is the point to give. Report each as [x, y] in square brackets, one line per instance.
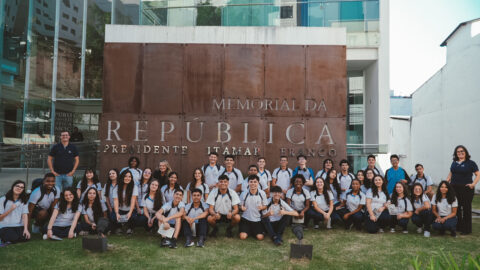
[90, 179]
[110, 188]
[423, 179]
[142, 191]
[198, 181]
[94, 213]
[368, 182]
[345, 177]
[152, 202]
[277, 213]
[253, 170]
[196, 214]
[327, 166]
[124, 202]
[298, 198]
[354, 202]
[223, 207]
[377, 203]
[14, 215]
[444, 205]
[401, 208]
[281, 175]
[253, 202]
[169, 190]
[304, 170]
[42, 201]
[264, 175]
[422, 215]
[64, 220]
[322, 205]
[234, 175]
[361, 177]
[170, 215]
[334, 187]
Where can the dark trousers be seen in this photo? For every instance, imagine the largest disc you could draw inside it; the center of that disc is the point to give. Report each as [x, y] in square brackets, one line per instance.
[200, 228]
[102, 226]
[394, 221]
[450, 225]
[130, 223]
[424, 219]
[141, 221]
[62, 232]
[12, 234]
[464, 211]
[382, 221]
[276, 228]
[317, 216]
[356, 218]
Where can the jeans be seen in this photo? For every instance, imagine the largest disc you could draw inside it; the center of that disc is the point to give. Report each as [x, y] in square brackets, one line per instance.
[382, 221]
[63, 182]
[450, 224]
[317, 216]
[356, 218]
[200, 228]
[403, 222]
[276, 228]
[424, 219]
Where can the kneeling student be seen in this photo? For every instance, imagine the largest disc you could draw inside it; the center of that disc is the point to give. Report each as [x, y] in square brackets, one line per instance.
[322, 205]
[94, 213]
[445, 206]
[42, 201]
[277, 215]
[14, 215]
[223, 206]
[354, 202]
[64, 220]
[170, 215]
[152, 202]
[401, 206]
[377, 216]
[196, 214]
[422, 215]
[254, 201]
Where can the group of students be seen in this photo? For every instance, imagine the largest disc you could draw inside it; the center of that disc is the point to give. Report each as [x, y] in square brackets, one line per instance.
[262, 203]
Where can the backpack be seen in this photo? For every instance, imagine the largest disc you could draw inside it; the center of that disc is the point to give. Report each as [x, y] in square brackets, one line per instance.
[246, 196]
[279, 169]
[229, 196]
[37, 183]
[206, 166]
[191, 207]
[234, 172]
[42, 192]
[168, 212]
[404, 172]
[304, 197]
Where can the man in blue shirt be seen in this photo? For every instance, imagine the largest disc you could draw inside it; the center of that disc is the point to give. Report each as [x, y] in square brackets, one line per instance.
[395, 174]
[63, 161]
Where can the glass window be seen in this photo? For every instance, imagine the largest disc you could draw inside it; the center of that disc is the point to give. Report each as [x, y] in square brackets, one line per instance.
[126, 11]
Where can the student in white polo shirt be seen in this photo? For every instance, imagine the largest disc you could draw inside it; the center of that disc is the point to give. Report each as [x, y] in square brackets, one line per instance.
[322, 205]
[354, 202]
[235, 176]
[345, 177]
[212, 170]
[94, 213]
[401, 206]
[377, 206]
[169, 190]
[43, 200]
[371, 160]
[195, 215]
[281, 176]
[423, 179]
[253, 170]
[264, 175]
[223, 207]
[253, 202]
[445, 204]
[170, 215]
[133, 166]
[298, 197]
[14, 215]
[277, 215]
[65, 216]
[198, 181]
[422, 210]
[90, 179]
[152, 202]
[327, 165]
[125, 200]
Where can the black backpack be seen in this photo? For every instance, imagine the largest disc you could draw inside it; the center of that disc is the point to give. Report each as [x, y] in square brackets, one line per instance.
[206, 166]
[37, 183]
[229, 196]
[191, 207]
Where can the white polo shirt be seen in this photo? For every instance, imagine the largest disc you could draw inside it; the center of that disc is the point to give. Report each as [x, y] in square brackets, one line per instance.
[252, 202]
[283, 177]
[14, 219]
[223, 204]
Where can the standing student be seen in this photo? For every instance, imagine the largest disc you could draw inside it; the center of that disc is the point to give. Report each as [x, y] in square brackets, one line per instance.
[169, 190]
[298, 198]
[64, 220]
[277, 215]
[423, 179]
[354, 202]
[371, 160]
[43, 200]
[162, 173]
[377, 203]
[94, 213]
[304, 170]
[264, 175]
[170, 215]
[90, 179]
[198, 182]
[63, 161]
[395, 174]
[345, 177]
[327, 165]
[142, 186]
[460, 177]
[223, 206]
[195, 215]
[234, 175]
[109, 189]
[361, 177]
[212, 170]
[14, 215]
[444, 208]
[124, 202]
[322, 205]
[402, 208]
[281, 176]
[422, 210]
[253, 170]
[133, 166]
[153, 201]
[253, 202]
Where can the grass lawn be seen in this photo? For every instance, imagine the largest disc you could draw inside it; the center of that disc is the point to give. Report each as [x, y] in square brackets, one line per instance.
[335, 249]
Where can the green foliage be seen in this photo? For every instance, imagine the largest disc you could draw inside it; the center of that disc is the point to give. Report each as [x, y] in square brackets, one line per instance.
[208, 14]
[448, 262]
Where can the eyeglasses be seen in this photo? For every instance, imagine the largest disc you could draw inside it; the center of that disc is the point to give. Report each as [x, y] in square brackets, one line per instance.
[460, 151]
[20, 186]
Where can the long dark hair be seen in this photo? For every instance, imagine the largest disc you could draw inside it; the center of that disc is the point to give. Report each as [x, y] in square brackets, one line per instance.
[62, 203]
[394, 199]
[158, 202]
[324, 191]
[96, 206]
[450, 194]
[134, 158]
[109, 182]
[176, 186]
[384, 187]
[194, 181]
[412, 196]
[455, 156]
[128, 193]
[22, 197]
[367, 183]
[84, 184]
[150, 178]
[335, 184]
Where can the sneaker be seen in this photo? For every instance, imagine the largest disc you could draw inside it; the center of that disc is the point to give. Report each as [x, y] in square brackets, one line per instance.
[316, 226]
[277, 241]
[164, 242]
[173, 243]
[329, 224]
[118, 231]
[229, 232]
[201, 242]
[426, 234]
[405, 231]
[392, 230]
[129, 231]
[4, 244]
[45, 237]
[56, 238]
[214, 231]
[83, 233]
[381, 230]
[419, 230]
[453, 234]
[189, 243]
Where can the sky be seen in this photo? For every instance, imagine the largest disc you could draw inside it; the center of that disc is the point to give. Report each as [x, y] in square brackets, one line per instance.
[417, 28]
